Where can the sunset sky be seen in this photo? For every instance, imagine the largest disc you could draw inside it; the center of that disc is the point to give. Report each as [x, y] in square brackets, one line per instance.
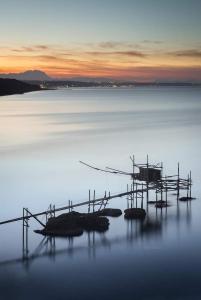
[130, 39]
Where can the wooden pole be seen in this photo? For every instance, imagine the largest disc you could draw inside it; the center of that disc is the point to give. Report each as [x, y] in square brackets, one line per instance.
[23, 225]
[147, 178]
[94, 198]
[89, 201]
[190, 184]
[27, 225]
[127, 198]
[142, 197]
[131, 195]
[187, 191]
[161, 191]
[178, 171]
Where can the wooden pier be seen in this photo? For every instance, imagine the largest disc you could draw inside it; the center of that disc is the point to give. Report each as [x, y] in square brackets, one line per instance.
[52, 210]
[144, 179]
[147, 177]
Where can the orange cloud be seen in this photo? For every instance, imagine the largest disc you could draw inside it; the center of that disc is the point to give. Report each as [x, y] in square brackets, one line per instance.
[112, 59]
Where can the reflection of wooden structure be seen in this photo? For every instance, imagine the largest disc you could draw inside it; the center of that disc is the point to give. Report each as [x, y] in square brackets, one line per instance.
[152, 225]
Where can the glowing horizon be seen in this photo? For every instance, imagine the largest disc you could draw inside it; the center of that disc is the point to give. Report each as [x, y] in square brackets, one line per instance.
[137, 41]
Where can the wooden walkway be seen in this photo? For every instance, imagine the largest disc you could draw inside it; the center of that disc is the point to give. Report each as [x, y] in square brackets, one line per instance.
[70, 207]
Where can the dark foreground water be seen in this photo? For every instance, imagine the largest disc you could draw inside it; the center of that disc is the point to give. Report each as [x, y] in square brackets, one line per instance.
[43, 135]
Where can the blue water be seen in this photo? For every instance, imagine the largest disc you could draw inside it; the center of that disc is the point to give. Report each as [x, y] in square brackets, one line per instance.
[43, 135]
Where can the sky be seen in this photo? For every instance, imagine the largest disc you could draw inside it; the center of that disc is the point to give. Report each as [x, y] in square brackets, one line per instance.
[130, 39]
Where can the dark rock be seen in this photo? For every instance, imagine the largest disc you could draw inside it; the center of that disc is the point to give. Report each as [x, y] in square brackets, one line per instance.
[135, 213]
[74, 223]
[90, 222]
[60, 232]
[109, 212]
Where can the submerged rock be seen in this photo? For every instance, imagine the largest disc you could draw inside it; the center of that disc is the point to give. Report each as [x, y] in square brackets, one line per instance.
[155, 202]
[186, 198]
[161, 204]
[74, 224]
[134, 213]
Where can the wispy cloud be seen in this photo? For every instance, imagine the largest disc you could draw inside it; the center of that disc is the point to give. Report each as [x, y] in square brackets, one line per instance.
[132, 53]
[152, 42]
[193, 53]
[33, 48]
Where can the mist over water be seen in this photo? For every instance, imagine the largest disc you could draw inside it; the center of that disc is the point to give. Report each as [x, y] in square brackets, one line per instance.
[43, 135]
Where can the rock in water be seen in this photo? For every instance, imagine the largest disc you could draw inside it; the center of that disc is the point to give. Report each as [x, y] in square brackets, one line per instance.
[135, 213]
[91, 222]
[73, 224]
[109, 212]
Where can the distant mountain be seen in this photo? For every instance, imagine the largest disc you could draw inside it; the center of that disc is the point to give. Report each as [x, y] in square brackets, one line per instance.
[13, 86]
[34, 75]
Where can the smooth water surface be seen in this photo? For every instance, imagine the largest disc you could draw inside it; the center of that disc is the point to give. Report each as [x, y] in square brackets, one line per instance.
[43, 135]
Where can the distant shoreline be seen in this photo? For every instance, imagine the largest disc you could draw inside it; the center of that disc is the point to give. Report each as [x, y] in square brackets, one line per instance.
[10, 87]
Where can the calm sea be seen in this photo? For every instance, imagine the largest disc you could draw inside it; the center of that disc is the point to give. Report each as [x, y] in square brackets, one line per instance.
[43, 135]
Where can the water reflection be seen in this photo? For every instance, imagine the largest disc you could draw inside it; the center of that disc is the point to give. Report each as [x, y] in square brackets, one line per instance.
[154, 226]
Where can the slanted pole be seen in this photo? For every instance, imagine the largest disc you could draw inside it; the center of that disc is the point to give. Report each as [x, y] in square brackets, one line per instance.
[29, 213]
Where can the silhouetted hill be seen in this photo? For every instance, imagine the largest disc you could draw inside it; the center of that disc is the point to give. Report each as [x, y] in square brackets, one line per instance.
[28, 75]
[13, 86]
